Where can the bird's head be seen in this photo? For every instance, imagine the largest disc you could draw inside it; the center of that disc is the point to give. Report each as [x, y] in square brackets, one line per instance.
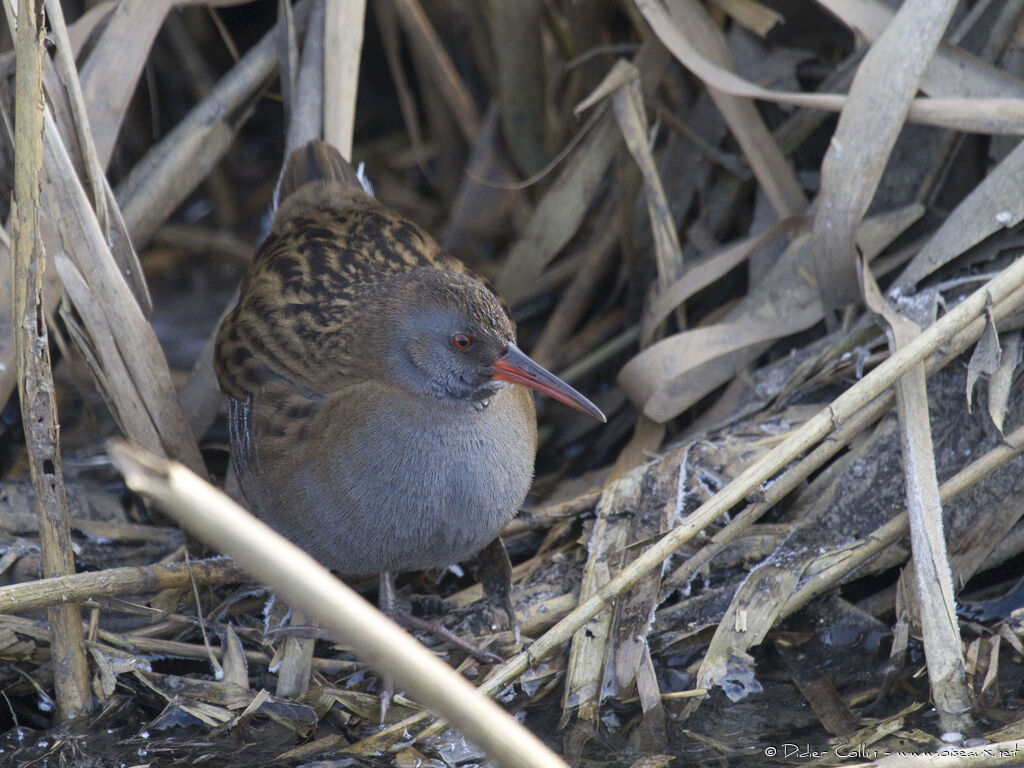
[446, 334]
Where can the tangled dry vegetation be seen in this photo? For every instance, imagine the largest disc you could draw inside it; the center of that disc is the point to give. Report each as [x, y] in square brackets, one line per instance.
[663, 192]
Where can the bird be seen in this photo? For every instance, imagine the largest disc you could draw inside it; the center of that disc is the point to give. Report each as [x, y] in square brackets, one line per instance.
[379, 409]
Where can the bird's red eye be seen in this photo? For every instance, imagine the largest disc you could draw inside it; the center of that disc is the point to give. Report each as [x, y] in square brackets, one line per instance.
[462, 341]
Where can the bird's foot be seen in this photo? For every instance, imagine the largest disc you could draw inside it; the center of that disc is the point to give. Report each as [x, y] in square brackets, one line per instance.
[409, 621]
[389, 606]
[387, 693]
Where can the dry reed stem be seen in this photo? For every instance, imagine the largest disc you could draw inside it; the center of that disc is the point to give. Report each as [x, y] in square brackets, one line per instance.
[934, 594]
[76, 587]
[297, 577]
[35, 379]
[305, 104]
[432, 54]
[79, 115]
[343, 48]
[849, 560]
[771, 168]
[171, 170]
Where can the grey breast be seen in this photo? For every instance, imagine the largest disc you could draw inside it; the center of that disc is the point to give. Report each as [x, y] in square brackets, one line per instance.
[409, 487]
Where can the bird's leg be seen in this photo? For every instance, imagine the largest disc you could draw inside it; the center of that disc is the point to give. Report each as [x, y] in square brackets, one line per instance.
[389, 605]
[494, 572]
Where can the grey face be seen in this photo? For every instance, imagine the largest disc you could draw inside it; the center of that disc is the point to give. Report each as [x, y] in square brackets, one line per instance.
[443, 337]
[453, 356]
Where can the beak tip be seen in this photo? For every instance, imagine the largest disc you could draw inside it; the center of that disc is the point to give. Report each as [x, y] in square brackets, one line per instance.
[516, 368]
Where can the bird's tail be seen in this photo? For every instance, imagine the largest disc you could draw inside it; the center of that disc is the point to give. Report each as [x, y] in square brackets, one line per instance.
[316, 175]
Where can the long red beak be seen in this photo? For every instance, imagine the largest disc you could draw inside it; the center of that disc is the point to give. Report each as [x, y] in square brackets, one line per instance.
[517, 368]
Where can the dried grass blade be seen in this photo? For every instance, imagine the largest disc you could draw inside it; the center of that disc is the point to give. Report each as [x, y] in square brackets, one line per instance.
[287, 57]
[112, 376]
[628, 105]
[867, 130]
[591, 645]
[710, 270]
[439, 65]
[516, 40]
[387, 23]
[79, 138]
[123, 48]
[560, 212]
[84, 132]
[995, 203]
[758, 18]
[973, 115]
[173, 168]
[85, 244]
[985, 359]
[934, 577]
[753, 611]
[1000, 382]
[952, 71]
[306, 103]
[772, 170]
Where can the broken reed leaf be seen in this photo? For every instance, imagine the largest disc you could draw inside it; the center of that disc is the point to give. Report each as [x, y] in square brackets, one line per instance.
[771, 168]
[560, 211]
[754, 610]
[86, 246]
[709, 270]
[67, 73]
[518, 55]
[985, 359]
[305, 106]
[287, 58]
[995, 203]
[433, 62]
[480, 210]
[1001, 380]
[668, 377]
[971, 115]
[70, 112]
[589, 650]
[236, 670]
[628, 105]
[931, 573]
[112, 69]
[876, 233]
[758, 18]
[112, 375]
[863, 140]
[387, 24]
[951, 71]
[636, 608]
